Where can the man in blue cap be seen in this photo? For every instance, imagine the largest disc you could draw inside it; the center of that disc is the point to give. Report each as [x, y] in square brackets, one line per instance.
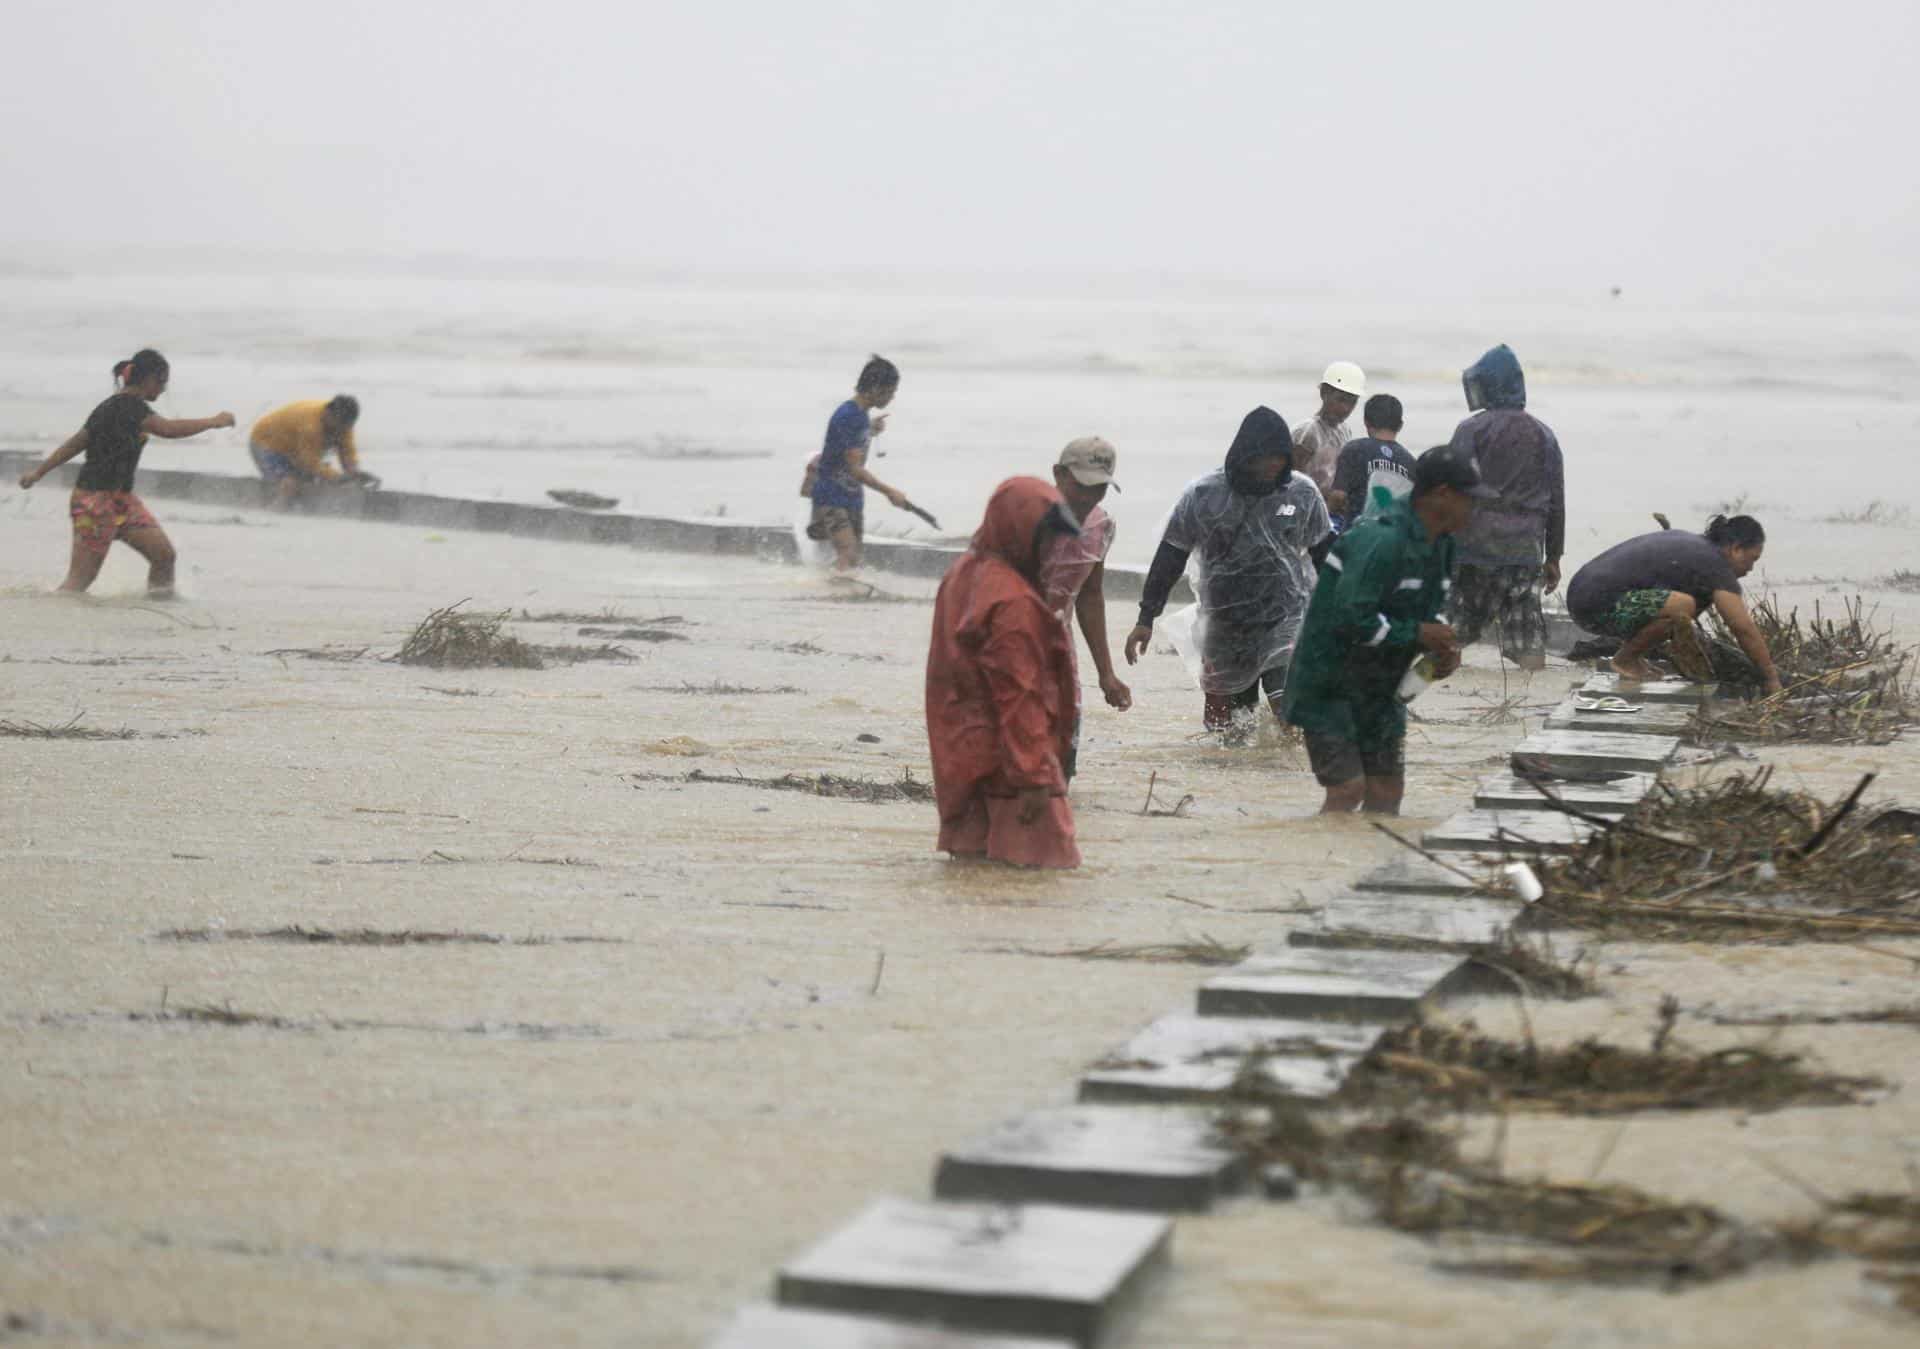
[1510, 552]
[1376, 606]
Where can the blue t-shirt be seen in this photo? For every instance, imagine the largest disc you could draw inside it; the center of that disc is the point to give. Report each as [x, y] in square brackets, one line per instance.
[849, 429]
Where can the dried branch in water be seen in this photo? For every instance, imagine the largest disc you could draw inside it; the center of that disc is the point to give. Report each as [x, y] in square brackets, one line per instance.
[1205, 951]
[1739, 860]
[66, 730]
[1846, 681]
[1589, 1078]
[447, 638]
[904, 788]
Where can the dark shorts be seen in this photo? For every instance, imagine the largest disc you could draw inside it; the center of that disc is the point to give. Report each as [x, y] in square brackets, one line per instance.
[1336, 760]
[101, 517]
[274, 467]
[1632, 612]
[830, 520]
[1504, 598]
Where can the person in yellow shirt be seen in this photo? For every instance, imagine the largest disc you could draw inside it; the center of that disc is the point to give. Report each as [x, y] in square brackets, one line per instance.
[290, 444]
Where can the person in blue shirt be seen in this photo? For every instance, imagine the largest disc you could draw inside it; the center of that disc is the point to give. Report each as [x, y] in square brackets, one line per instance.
[839, 477]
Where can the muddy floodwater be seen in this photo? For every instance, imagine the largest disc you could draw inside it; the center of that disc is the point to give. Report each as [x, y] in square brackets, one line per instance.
[650, 1034]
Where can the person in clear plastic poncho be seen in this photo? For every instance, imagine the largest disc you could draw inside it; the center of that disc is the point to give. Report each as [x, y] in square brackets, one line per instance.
[1253, 529]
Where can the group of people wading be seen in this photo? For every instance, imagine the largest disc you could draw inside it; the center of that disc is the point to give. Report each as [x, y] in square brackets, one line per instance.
[1323, 565]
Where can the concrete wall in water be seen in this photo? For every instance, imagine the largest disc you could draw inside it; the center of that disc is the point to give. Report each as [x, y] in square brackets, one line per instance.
[769, 543]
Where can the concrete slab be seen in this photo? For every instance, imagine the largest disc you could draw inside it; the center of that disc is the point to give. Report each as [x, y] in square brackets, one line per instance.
[1034, 1269]
[1195, 1059]
[1651, 719]
[1647, 691]
[1416, 875]
[1437, 921]
[1598, 751]
[1310, 983]
[1515, 832]
[1162, 1158]
[1507, 791]
[786, 1328]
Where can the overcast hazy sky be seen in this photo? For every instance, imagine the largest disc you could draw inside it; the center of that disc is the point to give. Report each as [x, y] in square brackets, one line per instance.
[1722, 147]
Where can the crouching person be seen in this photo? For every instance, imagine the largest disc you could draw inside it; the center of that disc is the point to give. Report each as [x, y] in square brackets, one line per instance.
[1000, 689]
[1377, 606]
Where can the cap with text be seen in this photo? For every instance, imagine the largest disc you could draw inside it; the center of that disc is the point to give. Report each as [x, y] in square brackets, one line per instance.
[1090, 460]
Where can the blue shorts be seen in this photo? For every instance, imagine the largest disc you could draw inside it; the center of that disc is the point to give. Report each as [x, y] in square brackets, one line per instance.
[275, 467]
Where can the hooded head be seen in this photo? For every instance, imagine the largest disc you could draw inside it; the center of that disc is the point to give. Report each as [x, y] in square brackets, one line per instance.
[1495, 381]
[1023, 516]
[1262, 434]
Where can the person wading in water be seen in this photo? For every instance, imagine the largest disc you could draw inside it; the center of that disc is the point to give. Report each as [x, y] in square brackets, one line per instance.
[104, 507]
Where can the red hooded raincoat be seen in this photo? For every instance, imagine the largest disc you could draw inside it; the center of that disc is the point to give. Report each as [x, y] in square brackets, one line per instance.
[1000, 691]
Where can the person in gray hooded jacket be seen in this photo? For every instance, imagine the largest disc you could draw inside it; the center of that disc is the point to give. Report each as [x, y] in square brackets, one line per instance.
[1509, 555]
[1254, 529]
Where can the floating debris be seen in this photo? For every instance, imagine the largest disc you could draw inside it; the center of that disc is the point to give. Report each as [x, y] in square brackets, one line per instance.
[1739, 860]
[66, 730]
[366, 936]
[1205, 951]
[586, 501]
[331, 653]
[1473, 1071]
[1846, 682]
[447, 638]
[905, 788]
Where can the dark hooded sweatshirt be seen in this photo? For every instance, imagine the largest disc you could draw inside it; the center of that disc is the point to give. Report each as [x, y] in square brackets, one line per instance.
[1519, 458]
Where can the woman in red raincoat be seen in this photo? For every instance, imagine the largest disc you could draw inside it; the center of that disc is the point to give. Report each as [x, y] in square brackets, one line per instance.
[1000, 693]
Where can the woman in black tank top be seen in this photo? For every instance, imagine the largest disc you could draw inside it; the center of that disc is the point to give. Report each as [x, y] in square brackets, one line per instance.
[104, 507]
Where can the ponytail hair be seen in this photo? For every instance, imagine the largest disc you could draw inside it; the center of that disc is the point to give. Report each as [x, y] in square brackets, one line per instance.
[1742, 531]
[143, 364]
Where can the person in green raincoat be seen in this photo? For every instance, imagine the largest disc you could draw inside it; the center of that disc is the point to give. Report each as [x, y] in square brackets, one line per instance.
[1377, 605]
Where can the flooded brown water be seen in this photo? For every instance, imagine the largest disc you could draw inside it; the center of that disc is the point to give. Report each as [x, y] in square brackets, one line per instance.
[793, 1003]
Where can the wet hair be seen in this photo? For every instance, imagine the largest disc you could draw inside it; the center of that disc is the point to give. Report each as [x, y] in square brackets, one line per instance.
[877, 375]
[344, 408]
[144, 364]
[1742, 531]
[1382, 410]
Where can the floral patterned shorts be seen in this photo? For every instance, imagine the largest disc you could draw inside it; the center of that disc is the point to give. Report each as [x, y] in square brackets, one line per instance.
[101, 517]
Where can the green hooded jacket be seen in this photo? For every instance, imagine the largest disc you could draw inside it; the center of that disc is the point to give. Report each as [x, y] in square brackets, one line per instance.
[1382, 580]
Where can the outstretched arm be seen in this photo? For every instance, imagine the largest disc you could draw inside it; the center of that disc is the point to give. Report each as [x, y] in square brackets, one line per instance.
[72, 446]
[172, 428]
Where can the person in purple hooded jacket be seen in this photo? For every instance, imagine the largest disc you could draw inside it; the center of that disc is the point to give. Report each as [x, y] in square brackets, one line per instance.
[1509, 555]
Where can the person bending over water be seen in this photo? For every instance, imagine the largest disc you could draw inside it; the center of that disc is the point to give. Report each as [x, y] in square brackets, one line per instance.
[1649, 590]
[103, 506]
[290, 444]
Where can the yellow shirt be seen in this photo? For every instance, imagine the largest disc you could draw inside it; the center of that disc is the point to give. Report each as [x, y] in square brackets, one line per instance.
[296, 432]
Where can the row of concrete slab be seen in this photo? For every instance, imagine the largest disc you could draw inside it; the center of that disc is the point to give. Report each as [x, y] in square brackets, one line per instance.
[1045, 1231]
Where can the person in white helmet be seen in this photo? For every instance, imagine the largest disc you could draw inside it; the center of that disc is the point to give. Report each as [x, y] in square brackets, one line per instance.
[1317, 440]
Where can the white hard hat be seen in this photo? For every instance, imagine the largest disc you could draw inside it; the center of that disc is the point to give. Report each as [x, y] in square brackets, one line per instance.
[1347, 378]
